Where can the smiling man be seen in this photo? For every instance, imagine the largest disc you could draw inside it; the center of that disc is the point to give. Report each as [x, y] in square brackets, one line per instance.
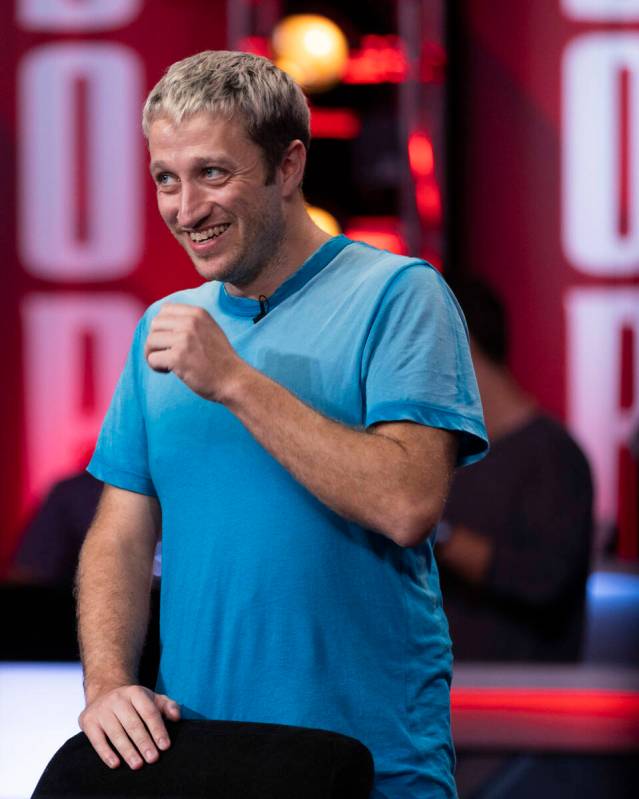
[293, 423]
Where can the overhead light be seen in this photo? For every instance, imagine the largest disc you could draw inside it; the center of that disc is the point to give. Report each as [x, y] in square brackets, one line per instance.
[312, 49]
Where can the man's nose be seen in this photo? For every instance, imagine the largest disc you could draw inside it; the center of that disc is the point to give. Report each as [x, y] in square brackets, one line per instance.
[193, 207]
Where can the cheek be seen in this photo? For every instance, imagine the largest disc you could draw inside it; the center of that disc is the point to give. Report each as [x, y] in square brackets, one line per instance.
[168, 208]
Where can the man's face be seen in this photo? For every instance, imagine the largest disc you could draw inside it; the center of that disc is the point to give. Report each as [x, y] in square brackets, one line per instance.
[211, 193]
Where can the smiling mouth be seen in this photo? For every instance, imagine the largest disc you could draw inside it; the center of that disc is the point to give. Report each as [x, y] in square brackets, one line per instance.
[201, 236]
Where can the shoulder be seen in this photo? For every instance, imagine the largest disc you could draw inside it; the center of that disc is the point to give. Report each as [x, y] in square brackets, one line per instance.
[373, 263]
[387, 275]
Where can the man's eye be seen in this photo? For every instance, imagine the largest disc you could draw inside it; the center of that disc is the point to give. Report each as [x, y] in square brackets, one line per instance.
[163, 179]
[213, 172]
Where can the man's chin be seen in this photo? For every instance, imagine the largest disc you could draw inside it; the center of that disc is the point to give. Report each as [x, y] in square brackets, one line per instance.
[224, 270]
[210, 268]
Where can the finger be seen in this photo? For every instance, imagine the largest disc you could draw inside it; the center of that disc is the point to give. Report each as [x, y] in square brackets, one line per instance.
[160, 360]
[121, 741]
[99, 742]
[179, 317]
[174, 315]
[168, 707]
[151, 714]
[159, 340]
[182, 309]
[134, 727]
[165, 321]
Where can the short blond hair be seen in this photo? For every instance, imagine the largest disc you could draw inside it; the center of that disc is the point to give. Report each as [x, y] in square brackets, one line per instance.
[271, 105]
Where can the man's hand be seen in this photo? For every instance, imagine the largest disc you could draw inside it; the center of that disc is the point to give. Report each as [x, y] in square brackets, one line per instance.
[185, 340]
[130, 718]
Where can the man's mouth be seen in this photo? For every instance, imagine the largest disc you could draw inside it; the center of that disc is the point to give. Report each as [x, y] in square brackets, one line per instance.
[199, 236]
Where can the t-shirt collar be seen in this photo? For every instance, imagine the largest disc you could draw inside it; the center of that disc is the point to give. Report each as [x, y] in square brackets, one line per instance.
[247, 306]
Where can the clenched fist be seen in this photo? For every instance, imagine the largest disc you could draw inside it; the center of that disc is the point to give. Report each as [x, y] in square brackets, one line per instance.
[185, 340]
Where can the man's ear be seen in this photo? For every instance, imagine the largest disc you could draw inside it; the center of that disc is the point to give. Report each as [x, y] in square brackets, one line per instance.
[291, 168]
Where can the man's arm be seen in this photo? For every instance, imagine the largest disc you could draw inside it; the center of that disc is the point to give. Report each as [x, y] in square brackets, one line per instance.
[392, 479]
[113, 590]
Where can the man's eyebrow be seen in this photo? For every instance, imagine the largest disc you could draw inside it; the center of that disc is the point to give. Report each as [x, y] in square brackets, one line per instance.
[198, 162]
[154, 166]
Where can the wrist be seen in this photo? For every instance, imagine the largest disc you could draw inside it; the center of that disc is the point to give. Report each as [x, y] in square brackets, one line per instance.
[237, 384]
[97, 686]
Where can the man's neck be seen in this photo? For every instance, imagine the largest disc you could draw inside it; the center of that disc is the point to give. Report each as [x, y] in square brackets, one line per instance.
[301, 241]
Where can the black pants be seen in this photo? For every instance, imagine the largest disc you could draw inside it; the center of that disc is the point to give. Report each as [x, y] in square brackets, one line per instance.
[220, 759]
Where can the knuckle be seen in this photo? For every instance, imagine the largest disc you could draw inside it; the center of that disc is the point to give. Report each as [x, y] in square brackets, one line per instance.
[123, 745]
[152, 717]
[87, 719]
[136, 731]
[157, 731]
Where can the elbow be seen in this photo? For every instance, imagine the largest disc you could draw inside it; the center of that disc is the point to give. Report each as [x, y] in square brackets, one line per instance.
[413, 523]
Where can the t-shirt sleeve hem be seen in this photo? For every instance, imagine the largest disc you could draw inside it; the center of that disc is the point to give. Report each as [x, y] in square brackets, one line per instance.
[473, 438]
[121, 478]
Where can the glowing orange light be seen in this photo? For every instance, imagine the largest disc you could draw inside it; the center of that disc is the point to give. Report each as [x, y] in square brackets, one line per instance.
[381, 232]
[380, 59]
[324, 220]
[420, 154]
[312, 49]
[334, 123]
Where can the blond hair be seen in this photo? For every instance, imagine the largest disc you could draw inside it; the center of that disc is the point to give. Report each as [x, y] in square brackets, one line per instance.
[271, 105]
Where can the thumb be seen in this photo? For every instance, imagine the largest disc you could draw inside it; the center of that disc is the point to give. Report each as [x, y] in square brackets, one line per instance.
[168, 707]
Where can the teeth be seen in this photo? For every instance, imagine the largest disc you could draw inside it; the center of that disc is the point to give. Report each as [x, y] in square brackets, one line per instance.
[209, 233]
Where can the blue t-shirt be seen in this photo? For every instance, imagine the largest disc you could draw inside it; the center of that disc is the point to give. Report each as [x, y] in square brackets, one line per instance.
[273, 607]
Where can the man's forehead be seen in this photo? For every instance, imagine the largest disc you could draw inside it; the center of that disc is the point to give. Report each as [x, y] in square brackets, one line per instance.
[203, 122]
[199, 137]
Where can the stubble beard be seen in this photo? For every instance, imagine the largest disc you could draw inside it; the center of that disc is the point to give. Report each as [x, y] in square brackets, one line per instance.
[260, 255]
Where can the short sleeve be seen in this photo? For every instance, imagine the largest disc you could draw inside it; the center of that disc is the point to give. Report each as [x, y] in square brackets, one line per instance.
[121, 454]
[416, 363]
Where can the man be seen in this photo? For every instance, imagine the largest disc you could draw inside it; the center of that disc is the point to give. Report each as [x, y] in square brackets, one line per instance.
[515, 562]
[295, 420]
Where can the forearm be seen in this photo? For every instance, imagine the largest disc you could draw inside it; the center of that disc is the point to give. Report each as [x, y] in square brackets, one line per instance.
[368, 478]
[113, 597]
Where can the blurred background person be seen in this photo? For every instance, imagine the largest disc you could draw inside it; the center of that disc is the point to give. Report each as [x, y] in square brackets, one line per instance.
[514, 545]
[48, 549]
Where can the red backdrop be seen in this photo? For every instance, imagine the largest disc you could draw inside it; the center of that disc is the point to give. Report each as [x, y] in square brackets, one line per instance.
[84, 249]
[546, 207]
[548, 210]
